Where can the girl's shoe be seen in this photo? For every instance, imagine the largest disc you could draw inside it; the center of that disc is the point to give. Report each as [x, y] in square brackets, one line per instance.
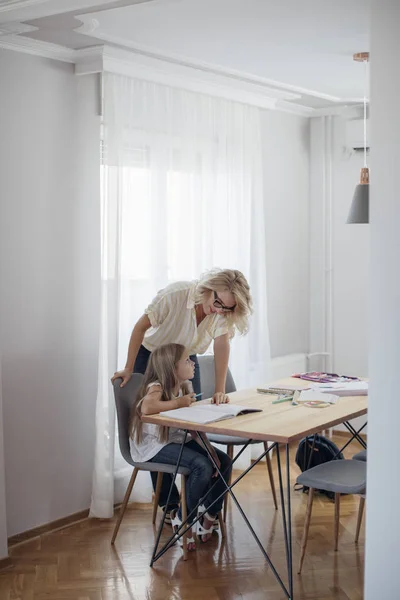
[201, 530]
[202, 509]
[176, 522]
[167, 520]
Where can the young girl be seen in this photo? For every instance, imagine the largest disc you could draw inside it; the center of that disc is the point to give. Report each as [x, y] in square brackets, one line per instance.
[166, 387]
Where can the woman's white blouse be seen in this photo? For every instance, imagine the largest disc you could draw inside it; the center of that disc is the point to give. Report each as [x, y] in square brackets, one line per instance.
[172, 316]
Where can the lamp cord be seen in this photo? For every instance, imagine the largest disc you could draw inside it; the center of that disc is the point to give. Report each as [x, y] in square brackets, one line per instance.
[365, 112]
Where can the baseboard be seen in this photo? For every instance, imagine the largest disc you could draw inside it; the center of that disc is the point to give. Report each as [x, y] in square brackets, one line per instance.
[48, 527]
[25, 536]
[5, 563]
[347, 434]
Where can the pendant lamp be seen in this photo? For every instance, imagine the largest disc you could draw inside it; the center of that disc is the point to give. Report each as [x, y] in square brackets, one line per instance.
[359, 210]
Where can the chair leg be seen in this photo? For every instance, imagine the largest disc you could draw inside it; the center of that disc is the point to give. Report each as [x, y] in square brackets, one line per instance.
[337, 517]
[124, 503]
[360, 516]
[157, 495]
[271, 476]
[184, 515]
[306, 528]
[229, 451]
[222, 525]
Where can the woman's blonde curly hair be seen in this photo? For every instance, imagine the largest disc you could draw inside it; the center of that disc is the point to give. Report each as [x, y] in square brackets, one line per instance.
[232, 280]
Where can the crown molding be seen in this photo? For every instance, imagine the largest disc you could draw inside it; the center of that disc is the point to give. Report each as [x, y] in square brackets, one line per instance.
[206, 73]
[6, 5]
[88, 25]
[284, 94]
[14, 28]
[354, 111]
[288, 91]
[229, 85]
[294, 109]
[27, 45]
[133, 64]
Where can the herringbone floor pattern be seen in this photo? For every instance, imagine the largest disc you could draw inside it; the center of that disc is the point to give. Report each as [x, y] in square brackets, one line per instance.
[78, 562]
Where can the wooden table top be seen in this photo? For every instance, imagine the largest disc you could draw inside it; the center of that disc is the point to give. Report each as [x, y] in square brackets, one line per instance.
[282, 422]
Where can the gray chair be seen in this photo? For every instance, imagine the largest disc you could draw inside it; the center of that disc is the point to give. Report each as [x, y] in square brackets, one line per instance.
[340, 477]
[207, 377]
[360, 456]
[124, 398]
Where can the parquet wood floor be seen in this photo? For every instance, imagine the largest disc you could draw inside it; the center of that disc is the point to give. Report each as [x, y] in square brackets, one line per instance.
[78, 562]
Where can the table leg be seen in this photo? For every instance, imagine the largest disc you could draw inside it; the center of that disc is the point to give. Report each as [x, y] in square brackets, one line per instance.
[235, 500]
[355, 435]
[160, 528]
[179, 533]
[289, 508]
[287, 523]
[286, 519]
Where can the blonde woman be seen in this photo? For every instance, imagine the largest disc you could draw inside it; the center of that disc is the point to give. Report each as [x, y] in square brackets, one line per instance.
[192, 313]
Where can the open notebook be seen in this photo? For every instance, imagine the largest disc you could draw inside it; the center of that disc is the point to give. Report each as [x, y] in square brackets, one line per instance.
[208, 413]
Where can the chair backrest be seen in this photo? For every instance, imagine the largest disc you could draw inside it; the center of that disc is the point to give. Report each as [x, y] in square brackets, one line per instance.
[124, 397]
[207, 377]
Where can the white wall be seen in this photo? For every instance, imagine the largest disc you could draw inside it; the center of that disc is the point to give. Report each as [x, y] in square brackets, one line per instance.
[339, 268]
[383, 483]
[49, 267]
[350, 264]
[285, 140]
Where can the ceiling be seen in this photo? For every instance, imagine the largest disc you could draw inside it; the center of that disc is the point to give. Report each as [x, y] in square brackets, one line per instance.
[301, 46]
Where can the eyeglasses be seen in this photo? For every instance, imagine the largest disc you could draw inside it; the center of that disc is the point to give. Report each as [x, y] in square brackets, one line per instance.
[219, 304]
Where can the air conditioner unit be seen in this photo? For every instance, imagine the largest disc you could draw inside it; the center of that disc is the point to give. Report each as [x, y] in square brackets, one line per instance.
[355, 134]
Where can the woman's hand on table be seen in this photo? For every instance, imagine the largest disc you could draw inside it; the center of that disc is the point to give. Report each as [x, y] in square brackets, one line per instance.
[220, 398]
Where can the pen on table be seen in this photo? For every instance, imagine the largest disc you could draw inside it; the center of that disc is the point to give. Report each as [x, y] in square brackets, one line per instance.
[282, 398]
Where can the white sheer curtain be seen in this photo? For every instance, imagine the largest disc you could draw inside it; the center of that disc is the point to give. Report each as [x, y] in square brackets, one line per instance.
[181, 193]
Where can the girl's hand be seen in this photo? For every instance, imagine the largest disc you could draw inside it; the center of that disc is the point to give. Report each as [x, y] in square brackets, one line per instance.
[125, 375]
[185, 401]
[220, 398]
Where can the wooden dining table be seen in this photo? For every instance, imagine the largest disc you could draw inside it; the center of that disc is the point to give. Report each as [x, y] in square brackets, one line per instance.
[279, 424]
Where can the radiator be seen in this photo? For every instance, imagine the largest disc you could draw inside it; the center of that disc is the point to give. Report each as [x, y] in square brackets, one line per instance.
[285, 366]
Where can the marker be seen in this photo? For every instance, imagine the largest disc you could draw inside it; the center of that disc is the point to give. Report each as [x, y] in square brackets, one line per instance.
[197, 395]
[282, 399]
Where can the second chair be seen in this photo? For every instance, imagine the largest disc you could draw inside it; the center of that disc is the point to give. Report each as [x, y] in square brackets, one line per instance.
[339, 477]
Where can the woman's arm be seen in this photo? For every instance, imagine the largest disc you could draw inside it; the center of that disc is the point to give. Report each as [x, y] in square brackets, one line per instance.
[136, 340]
[142, 325]
[153, 405]
[221, 358]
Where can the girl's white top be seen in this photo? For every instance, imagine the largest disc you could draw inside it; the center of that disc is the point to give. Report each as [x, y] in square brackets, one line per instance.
[151, 444]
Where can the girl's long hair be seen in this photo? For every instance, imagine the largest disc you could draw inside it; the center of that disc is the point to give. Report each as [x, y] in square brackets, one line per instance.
[161, 368]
